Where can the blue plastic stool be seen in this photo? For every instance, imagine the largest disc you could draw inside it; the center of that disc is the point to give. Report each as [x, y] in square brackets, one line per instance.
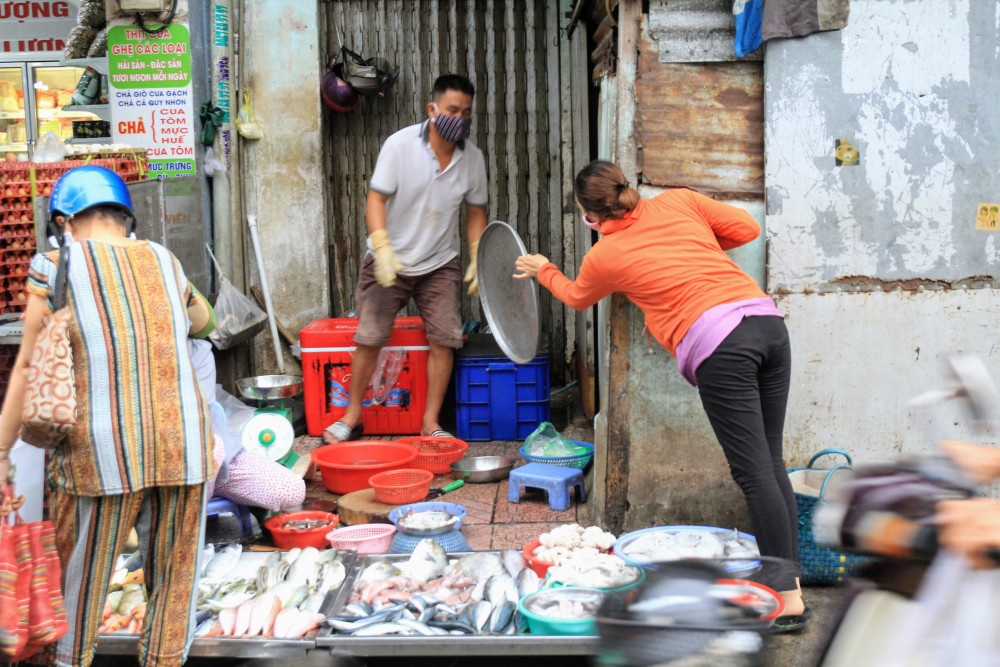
[556, 480]
[220, 506]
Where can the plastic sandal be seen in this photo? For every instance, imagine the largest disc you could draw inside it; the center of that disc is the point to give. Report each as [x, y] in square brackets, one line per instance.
[341, 432]
[791, 623]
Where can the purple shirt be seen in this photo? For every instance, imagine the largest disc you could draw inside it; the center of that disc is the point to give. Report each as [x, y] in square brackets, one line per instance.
[709, 330]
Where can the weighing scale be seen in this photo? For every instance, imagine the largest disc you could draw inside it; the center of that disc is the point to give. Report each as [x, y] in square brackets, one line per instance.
[270, 432]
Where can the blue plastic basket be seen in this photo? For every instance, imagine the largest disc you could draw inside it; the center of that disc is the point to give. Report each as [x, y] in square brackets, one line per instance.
[579, 461]
[452, 541]
[451, 508]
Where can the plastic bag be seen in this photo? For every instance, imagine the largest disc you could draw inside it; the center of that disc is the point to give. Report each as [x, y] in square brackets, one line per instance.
[548, 442]
[387, 368]
[246, 120]
[237, 412]
[50, 149]
[234, 312]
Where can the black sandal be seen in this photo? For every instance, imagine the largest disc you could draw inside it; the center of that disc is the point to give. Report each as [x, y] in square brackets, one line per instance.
[791, 623]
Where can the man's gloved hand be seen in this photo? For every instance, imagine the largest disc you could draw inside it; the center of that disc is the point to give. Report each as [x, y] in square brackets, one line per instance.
[386, 263]
[471, 275]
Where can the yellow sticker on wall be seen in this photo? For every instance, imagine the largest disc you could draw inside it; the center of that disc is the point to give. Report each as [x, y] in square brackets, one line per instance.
[845, 153]
[988, 217]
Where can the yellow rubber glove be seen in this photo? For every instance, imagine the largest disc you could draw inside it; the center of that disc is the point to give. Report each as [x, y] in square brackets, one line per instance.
[471, 276]
[386, 263]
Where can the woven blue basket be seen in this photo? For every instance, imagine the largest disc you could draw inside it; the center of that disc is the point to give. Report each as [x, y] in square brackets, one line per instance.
[452, 541]
[822, 565]
[451, 508]
[580, 461]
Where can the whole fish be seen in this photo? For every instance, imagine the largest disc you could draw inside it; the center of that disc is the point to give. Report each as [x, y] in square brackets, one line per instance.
[243, 618]
[428, 561]
[418, 627]
[513, 561]
[263, 609]
[377, 571]
[223, 562]
[305, 569]
[501, 587]
[382, 629]
[300, 595]
[527, 582]
[283, 621]
[227, 621]
[332, 574]
[304, 622]
[502, 616]
[481, 615]
[208, 628]
[481, 565]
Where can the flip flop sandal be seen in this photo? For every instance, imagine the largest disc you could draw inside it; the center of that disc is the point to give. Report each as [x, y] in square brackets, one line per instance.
[791, 623]
[441, 433]
[344, 433]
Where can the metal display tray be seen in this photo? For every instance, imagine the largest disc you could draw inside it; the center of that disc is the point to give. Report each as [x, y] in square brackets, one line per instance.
[247, 647]
[444, 645]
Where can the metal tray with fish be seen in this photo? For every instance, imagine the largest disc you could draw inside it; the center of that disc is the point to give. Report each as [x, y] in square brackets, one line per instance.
[234, 582]
[380, 617]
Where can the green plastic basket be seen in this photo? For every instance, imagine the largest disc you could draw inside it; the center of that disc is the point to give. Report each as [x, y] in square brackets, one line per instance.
[579, 461]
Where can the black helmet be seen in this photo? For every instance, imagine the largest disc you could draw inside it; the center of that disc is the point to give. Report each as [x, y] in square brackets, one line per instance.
[374, 76]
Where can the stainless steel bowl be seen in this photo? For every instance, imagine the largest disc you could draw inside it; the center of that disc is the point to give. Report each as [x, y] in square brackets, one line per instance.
[483, 468]
[270, 387]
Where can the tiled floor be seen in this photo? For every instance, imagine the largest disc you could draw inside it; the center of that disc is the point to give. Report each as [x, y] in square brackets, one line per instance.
[492, 522]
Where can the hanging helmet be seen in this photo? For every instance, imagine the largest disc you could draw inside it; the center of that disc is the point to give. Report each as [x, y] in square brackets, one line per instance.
[338, 95]
[364, 76]
[87, 186]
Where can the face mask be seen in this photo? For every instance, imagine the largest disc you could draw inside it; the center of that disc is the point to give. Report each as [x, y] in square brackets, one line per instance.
[596, 226]
[451, 128]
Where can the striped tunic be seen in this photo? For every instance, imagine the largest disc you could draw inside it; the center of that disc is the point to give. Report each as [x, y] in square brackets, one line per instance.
[142, 420]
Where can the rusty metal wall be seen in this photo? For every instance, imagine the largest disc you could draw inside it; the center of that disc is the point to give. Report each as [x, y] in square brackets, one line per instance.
[508, 50]
[700, 125]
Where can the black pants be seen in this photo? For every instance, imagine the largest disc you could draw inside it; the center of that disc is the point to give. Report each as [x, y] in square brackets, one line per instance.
[744, 389]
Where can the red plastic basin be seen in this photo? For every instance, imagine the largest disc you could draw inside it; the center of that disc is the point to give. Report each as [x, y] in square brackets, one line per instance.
[287, 538]
[347, 466]
[541, 568]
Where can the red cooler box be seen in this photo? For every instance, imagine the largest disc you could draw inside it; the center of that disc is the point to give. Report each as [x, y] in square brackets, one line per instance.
[327, 346]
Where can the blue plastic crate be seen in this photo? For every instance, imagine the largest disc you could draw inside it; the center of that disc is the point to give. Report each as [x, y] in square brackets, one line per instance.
[496, 399]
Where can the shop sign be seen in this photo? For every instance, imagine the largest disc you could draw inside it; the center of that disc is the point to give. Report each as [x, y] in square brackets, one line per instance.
[150, 94]
[35, 27]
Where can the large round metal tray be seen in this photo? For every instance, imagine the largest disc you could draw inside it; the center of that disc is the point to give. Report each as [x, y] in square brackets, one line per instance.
[270, 387]
[510, 305]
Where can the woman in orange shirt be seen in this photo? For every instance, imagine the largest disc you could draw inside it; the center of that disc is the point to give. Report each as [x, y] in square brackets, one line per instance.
[666, 254]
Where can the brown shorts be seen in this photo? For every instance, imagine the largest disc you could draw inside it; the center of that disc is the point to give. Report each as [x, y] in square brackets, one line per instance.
[437, 296]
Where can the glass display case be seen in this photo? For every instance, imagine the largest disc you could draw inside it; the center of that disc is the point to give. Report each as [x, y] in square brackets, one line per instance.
[27, 116]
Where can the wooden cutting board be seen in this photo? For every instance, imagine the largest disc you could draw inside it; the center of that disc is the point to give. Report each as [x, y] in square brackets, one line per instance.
[361, 507]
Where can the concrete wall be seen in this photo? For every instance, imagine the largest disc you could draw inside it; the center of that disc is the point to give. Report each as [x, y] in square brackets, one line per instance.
[279, 65]
[880, 267]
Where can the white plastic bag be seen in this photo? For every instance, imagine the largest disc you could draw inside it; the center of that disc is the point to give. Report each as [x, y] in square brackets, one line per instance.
[234, 312]
[50, 149]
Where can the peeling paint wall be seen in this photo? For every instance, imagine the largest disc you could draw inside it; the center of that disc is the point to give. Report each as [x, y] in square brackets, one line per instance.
[879, 266]
[914, 86]
[283, 171]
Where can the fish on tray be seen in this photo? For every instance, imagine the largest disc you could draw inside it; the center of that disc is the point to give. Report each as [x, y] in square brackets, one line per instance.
[430, 594]
[306, 524]
[283, 600]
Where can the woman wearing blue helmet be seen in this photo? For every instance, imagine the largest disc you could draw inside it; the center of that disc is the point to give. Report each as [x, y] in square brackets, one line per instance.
[140, 452]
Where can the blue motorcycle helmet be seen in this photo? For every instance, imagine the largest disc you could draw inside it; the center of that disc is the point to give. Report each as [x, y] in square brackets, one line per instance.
[84, 187]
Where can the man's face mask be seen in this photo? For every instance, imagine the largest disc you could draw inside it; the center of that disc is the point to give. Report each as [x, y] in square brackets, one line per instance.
[451, 128]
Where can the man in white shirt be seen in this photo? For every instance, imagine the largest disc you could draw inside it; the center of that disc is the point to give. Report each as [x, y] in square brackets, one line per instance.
[423, 176]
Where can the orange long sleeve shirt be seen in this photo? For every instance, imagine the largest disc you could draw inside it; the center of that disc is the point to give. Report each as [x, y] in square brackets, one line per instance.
[667, 257]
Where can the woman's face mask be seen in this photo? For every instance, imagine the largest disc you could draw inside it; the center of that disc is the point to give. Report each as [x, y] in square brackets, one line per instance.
[451, 128]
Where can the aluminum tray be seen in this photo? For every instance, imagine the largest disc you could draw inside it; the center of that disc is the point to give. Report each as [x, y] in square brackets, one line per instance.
[444, 645]
[510, 305]
[254, 647]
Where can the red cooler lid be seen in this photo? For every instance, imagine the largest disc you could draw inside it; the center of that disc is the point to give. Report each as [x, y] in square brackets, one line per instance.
[339, 332]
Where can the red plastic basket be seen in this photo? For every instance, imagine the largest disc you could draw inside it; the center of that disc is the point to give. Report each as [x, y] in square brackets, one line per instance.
[367, 538]
[397, 487]
[436, 454]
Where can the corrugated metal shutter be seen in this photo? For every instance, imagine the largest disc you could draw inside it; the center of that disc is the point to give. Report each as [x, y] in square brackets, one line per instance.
[508, 50]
